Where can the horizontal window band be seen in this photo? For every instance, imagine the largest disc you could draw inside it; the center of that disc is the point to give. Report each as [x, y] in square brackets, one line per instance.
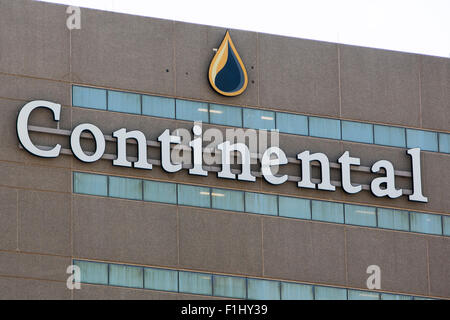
[278, 205]
[169, 280]
[315, 126]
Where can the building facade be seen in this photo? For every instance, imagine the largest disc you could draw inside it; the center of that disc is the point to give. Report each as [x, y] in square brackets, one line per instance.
[141, 233]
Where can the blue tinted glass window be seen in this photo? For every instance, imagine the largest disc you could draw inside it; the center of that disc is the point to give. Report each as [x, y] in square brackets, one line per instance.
[199, 283]
[194, 196]
[362, 295]
[227, 199]
[422, 298]
[87, 183]
[393, 219]
[324, 128]
[389, 136]
[124, 102]
[263, 289]
[259, 119]
[357, 131]
[126, 276]
[444, 142]
[160, 192]
[328, 293]
[296, 291]
[225, 115]
[125, 188]
[261, 203]
[158, 279]
[292, 123]
[388, 296]
[192, 111]
[425, 223]
[158, 106]
[231, 287]
[360, 215]
[327, 211]
[294, 207]
[446, 220]
[425, 140]
[89, 97]
[93, 272]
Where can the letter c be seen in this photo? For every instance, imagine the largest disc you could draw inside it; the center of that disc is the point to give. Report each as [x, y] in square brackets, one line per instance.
[22, 128]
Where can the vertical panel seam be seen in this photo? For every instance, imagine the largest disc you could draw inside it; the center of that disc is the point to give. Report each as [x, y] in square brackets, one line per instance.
[420, 92]
[339, 79]
[258, 71]
[345, 256]
[262, 244]
[428, 267]
[17, 220]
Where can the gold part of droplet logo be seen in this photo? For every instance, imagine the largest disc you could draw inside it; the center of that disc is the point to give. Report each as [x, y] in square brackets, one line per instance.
[227, 74]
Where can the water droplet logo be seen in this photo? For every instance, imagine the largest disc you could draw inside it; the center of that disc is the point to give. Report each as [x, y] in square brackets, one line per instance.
[227, 74]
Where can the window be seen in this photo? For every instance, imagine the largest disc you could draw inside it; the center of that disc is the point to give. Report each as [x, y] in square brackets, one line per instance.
[444, 142]
[231, 287]
[328, 293]
[159, 279]
[89, 98]
[158, 107]
[294, 207]
[225, 115]
[296, 291]
[125, 188]
[292, 123]
[192, 282]
[327, 211]
[160, 191]
[389, 136]
[261, 203]
[93, 272]
[446, 221]
[393, 219]
[360, 215]
[218, 285]
[259, 119]
[324, 128]
[92, 184]
[192, 111]
[388, 296]
[357, 131]
[124, 102]
[194, 196]
[227, 199]
[425, 140]
[263, 289]
[362, 295]
[126, 276]
[425, 223]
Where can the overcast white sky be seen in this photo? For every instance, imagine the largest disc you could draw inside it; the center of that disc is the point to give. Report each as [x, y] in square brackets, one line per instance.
[419, 26]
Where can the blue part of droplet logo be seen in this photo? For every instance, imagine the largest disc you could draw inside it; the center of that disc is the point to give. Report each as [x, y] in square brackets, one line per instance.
[227, 74]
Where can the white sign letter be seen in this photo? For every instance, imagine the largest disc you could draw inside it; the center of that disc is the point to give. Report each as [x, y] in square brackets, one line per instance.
[306, 182]
[345, 160]
[417, 176]
[389, 180]
[22, 128]
[267, 162]
[166, 139]
[76, 146]
[122, 135]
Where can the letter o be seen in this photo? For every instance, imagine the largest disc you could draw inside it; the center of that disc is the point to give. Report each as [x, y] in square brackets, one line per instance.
[76, 146]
